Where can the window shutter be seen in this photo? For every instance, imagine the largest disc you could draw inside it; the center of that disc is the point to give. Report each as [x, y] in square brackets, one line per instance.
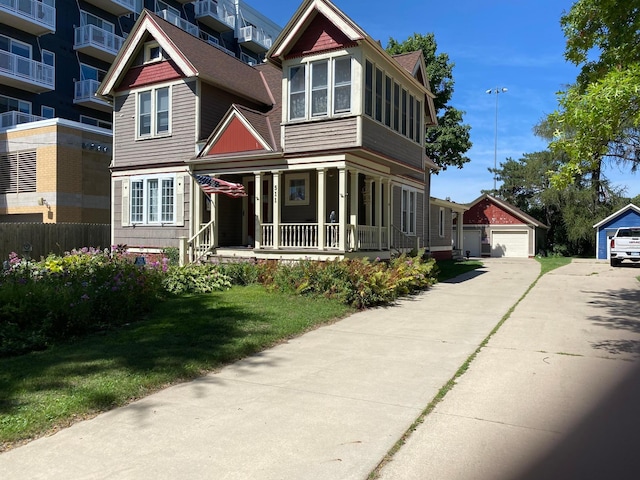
[125, 203]
[180, 181]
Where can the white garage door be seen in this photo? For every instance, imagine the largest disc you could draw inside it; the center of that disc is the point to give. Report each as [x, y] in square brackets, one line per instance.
[471, 239]
[510, 244]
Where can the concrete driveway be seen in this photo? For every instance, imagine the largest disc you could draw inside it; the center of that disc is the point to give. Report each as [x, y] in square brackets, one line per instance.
[330, 404]
[554, 395]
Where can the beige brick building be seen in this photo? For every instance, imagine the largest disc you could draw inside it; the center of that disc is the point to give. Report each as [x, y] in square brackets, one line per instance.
[55, 171]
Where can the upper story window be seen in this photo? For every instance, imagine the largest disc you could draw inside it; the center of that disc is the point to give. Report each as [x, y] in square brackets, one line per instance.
[152, 200]
[153, 113]
[96, 122]
[441, 220]
[10, 104]
[16, 47]
[391, 104]
[87, 72]
[87, 18]
[320, 88]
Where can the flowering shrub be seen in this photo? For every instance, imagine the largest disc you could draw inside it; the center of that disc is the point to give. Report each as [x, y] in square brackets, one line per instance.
[356, 282]
[60, 297]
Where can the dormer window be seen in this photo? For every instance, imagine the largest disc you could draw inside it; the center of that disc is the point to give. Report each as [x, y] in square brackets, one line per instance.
[320, 88]
[153, 52]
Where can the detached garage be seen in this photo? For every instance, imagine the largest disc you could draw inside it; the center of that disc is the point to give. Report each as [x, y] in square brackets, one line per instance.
[495, 228]
[628, 216]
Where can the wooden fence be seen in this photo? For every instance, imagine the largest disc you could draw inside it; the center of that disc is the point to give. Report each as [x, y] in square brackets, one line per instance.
[40, 239]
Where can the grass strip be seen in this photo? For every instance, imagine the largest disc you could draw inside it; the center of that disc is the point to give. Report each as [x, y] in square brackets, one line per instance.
[547, 264]
[184, 338]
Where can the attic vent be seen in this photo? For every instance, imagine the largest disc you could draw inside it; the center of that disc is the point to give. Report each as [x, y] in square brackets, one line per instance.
[153, 52]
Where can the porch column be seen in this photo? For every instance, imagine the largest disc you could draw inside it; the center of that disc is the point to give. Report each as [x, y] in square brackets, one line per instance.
[214, 218]
[257, 208]
[379, 207]
[276, 209]
[389, 207]
[322, 208]
[342, 208]
[354, 208]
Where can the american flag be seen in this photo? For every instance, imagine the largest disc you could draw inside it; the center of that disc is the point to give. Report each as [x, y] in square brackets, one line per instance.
[212, 186]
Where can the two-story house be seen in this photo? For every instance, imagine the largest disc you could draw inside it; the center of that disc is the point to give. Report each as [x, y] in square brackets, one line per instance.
[326, 138]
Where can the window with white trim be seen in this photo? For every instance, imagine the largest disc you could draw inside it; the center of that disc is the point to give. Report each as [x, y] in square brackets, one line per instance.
[47, 112]
[153, 200]
[320, 88]
[96, 122]
[409, 204]
[441, 219]
[87, 18]
[153, 113]
[10, 104]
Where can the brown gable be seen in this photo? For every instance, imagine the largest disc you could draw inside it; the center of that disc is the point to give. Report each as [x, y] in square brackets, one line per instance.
[319, 36]
[408, 61]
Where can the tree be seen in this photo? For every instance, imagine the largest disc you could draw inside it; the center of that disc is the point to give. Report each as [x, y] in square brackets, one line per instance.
[570, 212]
[447, 142]
[599, 116]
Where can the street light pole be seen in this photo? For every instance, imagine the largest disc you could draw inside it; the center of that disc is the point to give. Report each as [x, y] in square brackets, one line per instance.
[496, 90]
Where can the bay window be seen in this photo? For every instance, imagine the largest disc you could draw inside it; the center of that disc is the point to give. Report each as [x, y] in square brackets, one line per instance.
[153, 113]
[152, 200]
[320, 88]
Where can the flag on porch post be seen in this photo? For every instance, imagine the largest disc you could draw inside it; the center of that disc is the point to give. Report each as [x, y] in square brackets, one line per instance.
[213, 186]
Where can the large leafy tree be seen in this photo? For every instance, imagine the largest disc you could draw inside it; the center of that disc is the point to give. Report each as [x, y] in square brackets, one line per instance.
[599, 116]
[448, 142]
[569, 212]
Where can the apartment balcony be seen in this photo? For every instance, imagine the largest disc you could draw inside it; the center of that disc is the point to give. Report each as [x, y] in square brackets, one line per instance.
[36, 18]
[85, 95]
[179, 22]
[216, 14]
[96, 42]
[116, 7]
[254, 39]
[13, 118]
[26, 74]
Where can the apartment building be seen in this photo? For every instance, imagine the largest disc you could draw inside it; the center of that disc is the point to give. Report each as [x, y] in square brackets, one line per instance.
[53, 56]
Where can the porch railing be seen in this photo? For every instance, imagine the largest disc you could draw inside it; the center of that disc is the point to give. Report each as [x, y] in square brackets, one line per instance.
[372, 238]
[305, 235]
[201, 243]
[401, 242]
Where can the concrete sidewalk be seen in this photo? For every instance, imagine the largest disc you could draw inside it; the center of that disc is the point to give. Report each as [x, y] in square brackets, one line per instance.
[326, 405]
[554, 395]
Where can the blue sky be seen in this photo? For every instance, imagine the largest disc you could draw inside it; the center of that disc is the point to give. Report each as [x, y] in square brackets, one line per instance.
[515, 44]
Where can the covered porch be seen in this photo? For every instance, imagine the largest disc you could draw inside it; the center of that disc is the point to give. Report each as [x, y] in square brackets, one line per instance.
[317, 213]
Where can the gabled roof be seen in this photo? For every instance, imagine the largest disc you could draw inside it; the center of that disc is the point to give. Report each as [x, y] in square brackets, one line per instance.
[304, 17]
[241, 130]
[413, 62]
[456, 207]
[631, 207]
[192, 56]
[512, 209]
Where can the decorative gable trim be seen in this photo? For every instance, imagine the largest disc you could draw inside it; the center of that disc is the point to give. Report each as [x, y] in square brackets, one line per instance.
[487, 200]
[304, 17]
[321, 35]
[234, 134]
[134, 43]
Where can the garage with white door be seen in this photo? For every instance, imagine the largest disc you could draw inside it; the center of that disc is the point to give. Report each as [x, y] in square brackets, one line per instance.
[510, 243]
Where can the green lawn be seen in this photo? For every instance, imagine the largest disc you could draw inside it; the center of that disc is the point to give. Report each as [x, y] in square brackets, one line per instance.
[449, 268]
[551, 263]
[185, 338]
